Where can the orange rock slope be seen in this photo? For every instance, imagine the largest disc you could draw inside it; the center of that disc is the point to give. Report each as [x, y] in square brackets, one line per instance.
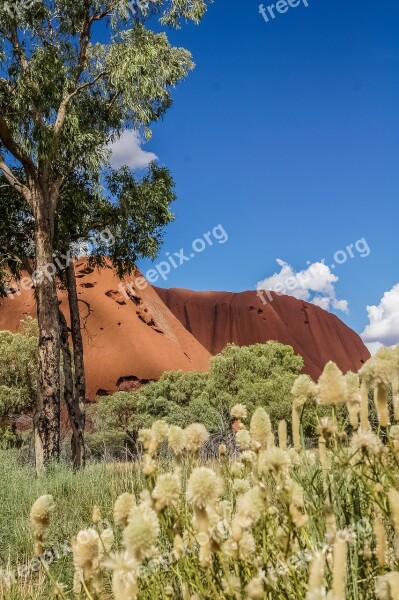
[128, 339]
[216, 318]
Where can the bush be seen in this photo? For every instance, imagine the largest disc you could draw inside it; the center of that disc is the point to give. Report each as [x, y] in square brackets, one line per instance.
[262, 374]
[18, 377]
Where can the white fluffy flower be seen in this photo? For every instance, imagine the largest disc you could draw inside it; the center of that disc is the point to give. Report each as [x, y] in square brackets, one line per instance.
[176, 439]
[239, 411]
[142, 532]
[204, 487]
[122, 507]
[274, 460]
[261, 428]
[195, 435]
[243, 439]
[166, 491]
[124, 575]
[365, 440]
[387, 586]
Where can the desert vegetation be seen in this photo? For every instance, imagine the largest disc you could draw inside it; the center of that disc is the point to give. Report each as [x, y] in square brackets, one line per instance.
[262, 374]
[18, 380]
[273, 517]
[237, 374]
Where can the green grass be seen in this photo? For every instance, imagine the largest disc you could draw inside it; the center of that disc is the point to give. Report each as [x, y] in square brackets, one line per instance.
[75, 494]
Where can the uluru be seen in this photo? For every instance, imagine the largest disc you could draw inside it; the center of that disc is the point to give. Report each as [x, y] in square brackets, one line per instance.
[218, 318]
[132, 335]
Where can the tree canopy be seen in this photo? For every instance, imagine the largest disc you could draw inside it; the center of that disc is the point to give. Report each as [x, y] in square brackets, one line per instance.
[75, 75]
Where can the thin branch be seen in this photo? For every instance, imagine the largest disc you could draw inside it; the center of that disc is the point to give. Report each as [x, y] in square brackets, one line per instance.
[14, 40]
[107, 11]
[84, 40]
[18, 48]
[64, 104]
[87, 84]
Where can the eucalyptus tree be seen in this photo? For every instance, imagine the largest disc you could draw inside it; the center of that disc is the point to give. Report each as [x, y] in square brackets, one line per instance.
[73, 76]
[126, 224]
[129, 210]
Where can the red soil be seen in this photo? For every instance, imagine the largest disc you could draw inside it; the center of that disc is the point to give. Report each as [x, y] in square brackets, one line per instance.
[217, 318]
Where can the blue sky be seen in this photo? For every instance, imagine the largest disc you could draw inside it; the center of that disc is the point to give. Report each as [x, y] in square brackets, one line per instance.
[287, 134]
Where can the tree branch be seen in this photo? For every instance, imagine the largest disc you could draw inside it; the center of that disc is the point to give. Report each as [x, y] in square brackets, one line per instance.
[14, 40]
[55, 190]
[14, 181]
[87, 84]
[18, 48]
[84, 40]
[11, 145]
[85, 36]
[64, 104]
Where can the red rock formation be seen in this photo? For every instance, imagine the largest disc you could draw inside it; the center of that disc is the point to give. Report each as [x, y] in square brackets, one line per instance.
[128, 340]
[217, 318]
[133, 338]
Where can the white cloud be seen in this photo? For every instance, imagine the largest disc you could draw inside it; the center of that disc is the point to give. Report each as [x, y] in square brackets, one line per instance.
[373, 347]
[316, 284]
[127, 151]
[383, 327]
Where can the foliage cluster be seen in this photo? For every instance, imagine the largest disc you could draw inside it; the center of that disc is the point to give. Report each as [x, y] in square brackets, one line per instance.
[18, 378]
[262, 374]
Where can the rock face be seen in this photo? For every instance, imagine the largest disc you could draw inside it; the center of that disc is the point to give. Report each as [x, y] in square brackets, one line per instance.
[217, 318]
[129, 339]
[132, 336]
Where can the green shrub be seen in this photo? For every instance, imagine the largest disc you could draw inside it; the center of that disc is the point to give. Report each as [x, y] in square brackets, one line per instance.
[258, 375]
[18, 377]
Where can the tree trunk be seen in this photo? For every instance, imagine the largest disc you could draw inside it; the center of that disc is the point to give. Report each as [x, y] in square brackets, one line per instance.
[77, 443]
[80, 379]
[47, 416]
